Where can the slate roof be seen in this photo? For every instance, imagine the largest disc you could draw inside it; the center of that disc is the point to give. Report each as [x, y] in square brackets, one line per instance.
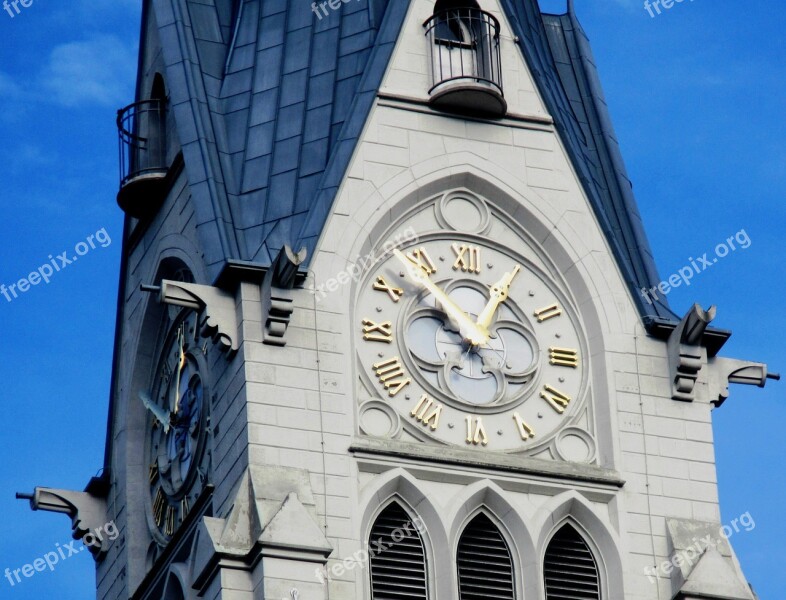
[285, 96]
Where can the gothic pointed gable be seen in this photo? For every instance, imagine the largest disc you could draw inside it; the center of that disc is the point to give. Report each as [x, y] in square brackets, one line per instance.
[284, 89]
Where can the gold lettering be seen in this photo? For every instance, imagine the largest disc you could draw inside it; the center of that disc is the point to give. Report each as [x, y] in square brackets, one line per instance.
[555, 398]
[564, 357]
[548, 312]
[392, 375]
[377, 332]
[383, 286]
[467, 258]
[476, 432]
[525, 430]
[427, 413]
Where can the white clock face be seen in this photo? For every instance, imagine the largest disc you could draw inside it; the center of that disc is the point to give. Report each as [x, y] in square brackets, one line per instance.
[471, 344]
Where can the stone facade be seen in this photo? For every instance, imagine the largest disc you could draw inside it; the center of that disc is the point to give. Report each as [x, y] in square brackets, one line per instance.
[295, 483]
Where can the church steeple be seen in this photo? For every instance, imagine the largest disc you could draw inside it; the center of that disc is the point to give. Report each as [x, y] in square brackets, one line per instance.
[381, 282]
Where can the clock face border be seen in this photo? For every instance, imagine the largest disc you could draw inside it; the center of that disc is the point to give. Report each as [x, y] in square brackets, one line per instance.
[191, 487]
[526, 252]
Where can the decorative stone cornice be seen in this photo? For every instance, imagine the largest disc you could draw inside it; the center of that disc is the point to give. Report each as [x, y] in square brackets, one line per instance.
[686, 353]
[277, 295]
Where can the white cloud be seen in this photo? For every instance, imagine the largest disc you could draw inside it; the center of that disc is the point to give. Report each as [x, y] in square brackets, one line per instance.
[93, 71]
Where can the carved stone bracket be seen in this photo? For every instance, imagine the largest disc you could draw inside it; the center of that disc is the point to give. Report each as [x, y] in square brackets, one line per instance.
[686, 354]
[216, 308]
[724, 371]
[277, 295]
[88, 515]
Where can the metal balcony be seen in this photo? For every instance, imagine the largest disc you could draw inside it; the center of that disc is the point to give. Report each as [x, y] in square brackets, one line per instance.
[143, 162]
[465, 59]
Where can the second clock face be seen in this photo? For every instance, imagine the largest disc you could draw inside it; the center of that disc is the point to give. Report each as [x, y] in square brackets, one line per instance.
[177, 438]
[472, 345]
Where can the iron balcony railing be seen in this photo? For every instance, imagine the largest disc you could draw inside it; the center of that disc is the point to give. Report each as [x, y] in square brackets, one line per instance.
[464, 45]
[141, 127]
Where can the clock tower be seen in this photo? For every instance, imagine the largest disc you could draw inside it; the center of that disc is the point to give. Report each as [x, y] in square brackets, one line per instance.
[380, 327]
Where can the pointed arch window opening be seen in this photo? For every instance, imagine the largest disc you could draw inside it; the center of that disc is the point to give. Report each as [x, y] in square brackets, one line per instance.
[398, 566]
[484, 562]
[570, 569]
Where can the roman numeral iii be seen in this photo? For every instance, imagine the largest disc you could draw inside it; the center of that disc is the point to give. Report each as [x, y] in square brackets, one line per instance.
[564, 357]
[427, 413]
[391, 374]
[467, 258]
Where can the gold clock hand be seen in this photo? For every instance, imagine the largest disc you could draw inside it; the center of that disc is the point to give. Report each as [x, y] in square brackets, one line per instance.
[468, 330]
[159, 413]
[181, 359]
[499, 293]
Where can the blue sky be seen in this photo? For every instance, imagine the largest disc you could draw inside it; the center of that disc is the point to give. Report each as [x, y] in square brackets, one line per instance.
[696, 94]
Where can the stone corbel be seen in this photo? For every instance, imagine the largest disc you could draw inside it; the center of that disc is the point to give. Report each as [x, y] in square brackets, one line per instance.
[724, 371]
[88, 515]
[278, 297]
[686, 354]
[216, 308]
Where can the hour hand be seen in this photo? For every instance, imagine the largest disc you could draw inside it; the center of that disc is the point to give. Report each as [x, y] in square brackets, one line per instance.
[161, 415]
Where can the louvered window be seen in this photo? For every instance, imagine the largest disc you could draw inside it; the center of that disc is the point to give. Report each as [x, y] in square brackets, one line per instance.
[570, 569]
[485, 568]
[397, 557]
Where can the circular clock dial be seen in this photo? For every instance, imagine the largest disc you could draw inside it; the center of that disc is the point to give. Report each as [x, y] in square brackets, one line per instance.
[177, 425]
[472, 344]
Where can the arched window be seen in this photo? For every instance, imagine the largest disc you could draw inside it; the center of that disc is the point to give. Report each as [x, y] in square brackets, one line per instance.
[569, 568]
[454, 25]
[397, 557]
[464, 44]
[485, 566]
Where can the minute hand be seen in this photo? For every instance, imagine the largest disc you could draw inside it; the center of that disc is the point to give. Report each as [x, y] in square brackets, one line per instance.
[468, 330]
[499, 293]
